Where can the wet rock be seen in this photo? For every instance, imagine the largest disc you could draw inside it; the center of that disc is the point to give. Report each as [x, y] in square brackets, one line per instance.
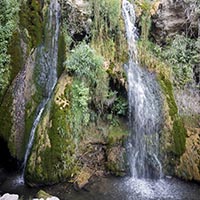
[82, 179]
[116, 160]
[42, 195]
[77, 15]
[8, 196]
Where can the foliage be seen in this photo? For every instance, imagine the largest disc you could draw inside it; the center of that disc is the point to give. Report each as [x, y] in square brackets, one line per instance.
[182, 54]
[150, 59]
[106, 16]
[120, 106]
[79, 103]
[145, 9]
[31, 19]
[84, 63]
[8, 23]
[107, 30]
[87, 66]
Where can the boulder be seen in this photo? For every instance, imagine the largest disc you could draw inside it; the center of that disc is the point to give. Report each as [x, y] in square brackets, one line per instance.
[8, 196]
[116, 162]
[83, 178]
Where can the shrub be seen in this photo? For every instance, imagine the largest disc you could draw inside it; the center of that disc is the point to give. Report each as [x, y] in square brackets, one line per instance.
[84, 63]
[8, 23]
[182, 54]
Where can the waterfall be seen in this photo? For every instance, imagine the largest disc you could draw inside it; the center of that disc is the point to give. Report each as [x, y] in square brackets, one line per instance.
[145, 115]
[47, 63]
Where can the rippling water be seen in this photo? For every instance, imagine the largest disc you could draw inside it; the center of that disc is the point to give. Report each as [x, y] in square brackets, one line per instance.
[113, 188]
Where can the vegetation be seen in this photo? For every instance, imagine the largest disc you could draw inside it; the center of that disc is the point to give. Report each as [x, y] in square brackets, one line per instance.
[182, 54]
[8, 23]
[87, 66]
[108, 31]
[177, 59]
[84, 63]
[31, 19]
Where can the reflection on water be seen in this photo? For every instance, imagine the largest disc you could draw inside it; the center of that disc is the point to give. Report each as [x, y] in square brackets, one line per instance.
[113, 188]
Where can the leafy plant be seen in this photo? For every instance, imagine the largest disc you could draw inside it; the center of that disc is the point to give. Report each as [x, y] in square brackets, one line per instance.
[8, 23]
[182, 54]
[84, 63]
[87, 66]
[120, 106]
[80, 100]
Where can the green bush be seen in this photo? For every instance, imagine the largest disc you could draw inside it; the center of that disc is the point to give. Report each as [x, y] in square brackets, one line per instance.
[84, 63]
[182, 54]
[80, 100]
[8, 23]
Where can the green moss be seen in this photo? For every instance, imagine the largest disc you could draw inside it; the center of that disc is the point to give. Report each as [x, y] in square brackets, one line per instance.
[167, 88]
[31, 19]
[16, 52]
[179, 136]
[58, 161]
[117, 134]
[30, 112]
[61, 53]
[178, 130]
[6, 115]
[174, 132]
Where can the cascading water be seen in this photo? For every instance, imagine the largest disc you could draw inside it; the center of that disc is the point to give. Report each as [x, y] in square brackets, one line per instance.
[145, 116]
[47, 63]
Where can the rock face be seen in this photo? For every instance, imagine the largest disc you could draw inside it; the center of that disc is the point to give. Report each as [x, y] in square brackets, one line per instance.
[56, 140]
[77, 15]
[116, 161]
[180, 139]
[189, 167]
[174, 17]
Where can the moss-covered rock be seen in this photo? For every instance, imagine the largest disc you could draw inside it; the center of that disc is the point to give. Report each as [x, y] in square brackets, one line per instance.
[31, 19]
[189, 166]
[53, 155]
[116, 160]
[173, 138]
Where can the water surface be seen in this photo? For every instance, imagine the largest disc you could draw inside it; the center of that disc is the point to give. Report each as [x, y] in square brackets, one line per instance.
[113, 188]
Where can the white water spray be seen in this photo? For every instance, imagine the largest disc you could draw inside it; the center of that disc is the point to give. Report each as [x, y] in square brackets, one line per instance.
[144, 107]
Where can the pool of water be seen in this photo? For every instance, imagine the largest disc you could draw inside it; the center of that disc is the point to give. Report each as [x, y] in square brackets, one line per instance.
[113, 188]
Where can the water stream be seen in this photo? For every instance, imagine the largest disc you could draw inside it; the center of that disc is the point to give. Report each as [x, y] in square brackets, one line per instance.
[145, 108]
[47, 63]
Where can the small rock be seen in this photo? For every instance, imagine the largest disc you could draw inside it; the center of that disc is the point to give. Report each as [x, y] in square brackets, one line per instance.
[83, 178]
[42, 195]
[8, 196]
[52, 198]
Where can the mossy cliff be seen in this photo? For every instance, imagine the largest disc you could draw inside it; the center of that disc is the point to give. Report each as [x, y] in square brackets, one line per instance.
[20, 101]
[14, 101]
[83, 127]
[158, 51]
